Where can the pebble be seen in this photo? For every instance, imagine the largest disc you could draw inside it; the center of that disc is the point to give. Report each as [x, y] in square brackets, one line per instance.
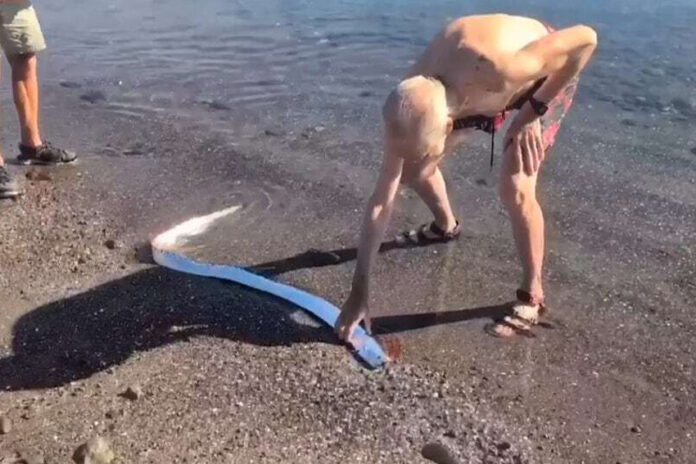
[96, 451]
[438, 453]
[133, 393]
[503, 446]
[38, 175]
[5, 425]
[636, 429]
[93, 96]
[216, 105]
[70, 85]
[29, 457]
[111, 244]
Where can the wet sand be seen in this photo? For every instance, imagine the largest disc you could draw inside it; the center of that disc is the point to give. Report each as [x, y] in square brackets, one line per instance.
[610, 379]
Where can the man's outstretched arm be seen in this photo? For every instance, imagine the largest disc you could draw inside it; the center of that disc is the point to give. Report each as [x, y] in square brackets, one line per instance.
[379, 210]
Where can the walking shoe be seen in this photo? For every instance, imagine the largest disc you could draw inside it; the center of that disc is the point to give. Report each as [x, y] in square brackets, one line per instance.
[8, 186]
[45, 154]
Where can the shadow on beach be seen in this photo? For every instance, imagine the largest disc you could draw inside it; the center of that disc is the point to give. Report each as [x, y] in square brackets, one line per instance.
[76, 337]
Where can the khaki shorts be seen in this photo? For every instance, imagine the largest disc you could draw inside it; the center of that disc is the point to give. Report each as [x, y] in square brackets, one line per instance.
[20, 32]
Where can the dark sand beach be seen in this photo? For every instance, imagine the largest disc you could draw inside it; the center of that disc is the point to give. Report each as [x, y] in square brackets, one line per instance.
[183, 109]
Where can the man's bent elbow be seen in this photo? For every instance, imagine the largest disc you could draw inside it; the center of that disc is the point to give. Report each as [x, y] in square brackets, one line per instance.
[589, 35]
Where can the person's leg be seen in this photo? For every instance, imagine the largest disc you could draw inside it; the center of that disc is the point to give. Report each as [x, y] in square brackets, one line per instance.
[22, 39]
[9, 188]
[25, 88]
[430, 186]
[518, 195]
[2, 161]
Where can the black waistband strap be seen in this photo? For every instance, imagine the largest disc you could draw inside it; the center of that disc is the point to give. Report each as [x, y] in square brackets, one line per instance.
[487, 123]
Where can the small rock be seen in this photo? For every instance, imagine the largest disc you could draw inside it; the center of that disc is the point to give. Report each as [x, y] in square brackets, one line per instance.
[93, 96]
[38, 175]
[70, 85]
[693, 151]
[30, 457]
[503, 446]
[636, 429]
[438, 453]
[682, 105]
[319, 129]
[216, 105]
[96, 451]
[451, 434]
[272, 133]
[5, 425]
[133, 393]
[111, 244]
[365, 94]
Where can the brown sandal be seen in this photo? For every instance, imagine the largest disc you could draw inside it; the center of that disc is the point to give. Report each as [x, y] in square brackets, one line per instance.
[428, 234]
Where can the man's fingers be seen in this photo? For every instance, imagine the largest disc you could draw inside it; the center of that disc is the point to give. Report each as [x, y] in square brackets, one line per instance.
[527, 158]
[540, 147]
[368, 324]
[531, 149]
[340, 330]
[518, 156]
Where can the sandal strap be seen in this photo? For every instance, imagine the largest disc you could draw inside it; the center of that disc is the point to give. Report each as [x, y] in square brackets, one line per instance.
[429, 233]
[435, 229]
[527, 298]
[517, 324]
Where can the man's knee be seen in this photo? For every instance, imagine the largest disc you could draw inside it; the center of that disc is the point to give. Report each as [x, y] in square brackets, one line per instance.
[23, 64]
[516, 194]
[418, 173]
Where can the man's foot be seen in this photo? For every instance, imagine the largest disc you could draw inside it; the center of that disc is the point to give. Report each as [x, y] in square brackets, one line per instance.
[524, 315]
[8, 186]
[45, 154]
[427, 234]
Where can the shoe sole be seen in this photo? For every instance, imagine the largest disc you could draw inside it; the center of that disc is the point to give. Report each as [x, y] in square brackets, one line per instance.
[34, 162]
[8, 195]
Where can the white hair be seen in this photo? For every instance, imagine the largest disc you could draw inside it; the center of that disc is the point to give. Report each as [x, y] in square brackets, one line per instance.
[417, 109]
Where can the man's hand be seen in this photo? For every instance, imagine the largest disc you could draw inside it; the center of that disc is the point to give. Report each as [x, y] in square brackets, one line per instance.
[354, 311]
[527, 145]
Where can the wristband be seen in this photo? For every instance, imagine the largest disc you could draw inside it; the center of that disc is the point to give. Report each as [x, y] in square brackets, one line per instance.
[539, 107]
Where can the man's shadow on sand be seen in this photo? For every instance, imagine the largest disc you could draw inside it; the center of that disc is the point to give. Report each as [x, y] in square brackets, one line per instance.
[81, 335]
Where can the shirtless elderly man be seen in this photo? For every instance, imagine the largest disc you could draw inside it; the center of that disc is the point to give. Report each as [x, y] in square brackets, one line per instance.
[473, 74]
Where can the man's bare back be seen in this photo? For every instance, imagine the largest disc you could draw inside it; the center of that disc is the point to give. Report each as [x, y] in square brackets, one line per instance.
[472, 56]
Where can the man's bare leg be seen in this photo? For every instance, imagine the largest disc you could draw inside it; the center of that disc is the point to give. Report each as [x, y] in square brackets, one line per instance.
[432, 190]
[518, 195]
[25, 86]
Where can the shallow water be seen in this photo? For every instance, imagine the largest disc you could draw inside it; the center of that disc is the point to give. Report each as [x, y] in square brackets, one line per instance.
[299, 62]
